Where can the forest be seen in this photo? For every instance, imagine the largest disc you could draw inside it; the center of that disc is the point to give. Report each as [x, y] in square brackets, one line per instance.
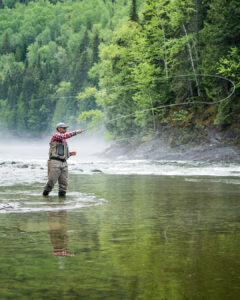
[91, 62]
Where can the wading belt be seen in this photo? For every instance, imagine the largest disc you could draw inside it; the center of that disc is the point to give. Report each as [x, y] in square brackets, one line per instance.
[56, 158]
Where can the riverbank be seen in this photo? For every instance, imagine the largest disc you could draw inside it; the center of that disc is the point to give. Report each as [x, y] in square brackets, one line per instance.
[208, 145]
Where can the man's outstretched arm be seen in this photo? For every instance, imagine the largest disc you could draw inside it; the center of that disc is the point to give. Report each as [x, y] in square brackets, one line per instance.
[58, 137]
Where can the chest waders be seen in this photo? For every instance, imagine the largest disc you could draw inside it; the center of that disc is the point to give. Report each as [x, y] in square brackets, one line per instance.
[58, 151]
[57, 167]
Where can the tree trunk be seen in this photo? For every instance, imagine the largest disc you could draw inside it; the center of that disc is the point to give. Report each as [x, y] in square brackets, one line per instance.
[192, 62]
[165, 49]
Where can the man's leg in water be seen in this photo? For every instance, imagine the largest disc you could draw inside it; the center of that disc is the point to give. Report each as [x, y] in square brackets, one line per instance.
[63, 179]
[54, 171]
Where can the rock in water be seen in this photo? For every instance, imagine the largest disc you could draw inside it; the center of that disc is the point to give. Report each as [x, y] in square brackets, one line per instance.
[96, 171]
[5, 206]
[23, 166]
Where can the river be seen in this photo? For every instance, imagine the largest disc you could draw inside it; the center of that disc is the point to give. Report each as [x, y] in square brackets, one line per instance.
[136, 230]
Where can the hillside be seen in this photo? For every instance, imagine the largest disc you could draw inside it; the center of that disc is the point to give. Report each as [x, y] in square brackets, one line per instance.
[133, 65]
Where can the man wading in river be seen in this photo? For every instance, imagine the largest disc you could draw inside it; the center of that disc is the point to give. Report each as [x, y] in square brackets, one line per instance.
[57, 163]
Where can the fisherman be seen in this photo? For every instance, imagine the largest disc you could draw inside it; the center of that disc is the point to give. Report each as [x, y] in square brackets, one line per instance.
[57, 163]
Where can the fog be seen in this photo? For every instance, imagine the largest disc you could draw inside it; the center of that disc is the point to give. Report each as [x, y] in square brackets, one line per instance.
[24, 161]
[16, 149]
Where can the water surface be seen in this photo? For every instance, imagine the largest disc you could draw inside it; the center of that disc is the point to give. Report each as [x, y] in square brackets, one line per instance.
[138, 230]
[125, 237]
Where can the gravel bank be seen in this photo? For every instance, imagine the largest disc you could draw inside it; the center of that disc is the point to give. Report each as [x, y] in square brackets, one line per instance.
[209, 146]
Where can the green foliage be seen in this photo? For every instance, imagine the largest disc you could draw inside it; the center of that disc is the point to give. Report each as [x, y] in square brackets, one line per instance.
[229, 66]
[179, 116]
[47, 50]
[123, 59]
[65, 103]
[143, 63]
[224, 115]
[91, 118]
[87, 99]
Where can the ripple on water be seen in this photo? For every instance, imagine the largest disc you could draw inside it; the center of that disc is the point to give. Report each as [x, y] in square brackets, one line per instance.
[214, 180]
[27, 204]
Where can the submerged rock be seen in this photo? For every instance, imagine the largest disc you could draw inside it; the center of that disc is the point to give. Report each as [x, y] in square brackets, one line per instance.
[96, 171]
[23, 166]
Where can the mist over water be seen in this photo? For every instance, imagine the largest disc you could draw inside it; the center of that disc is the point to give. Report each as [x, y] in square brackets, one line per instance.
[25, 162]
[23, 168]
[37, 149]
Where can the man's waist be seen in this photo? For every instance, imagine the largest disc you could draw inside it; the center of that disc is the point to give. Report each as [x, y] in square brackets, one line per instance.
[57, 158]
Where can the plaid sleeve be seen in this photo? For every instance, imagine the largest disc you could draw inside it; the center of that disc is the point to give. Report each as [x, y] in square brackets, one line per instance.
[57, 137]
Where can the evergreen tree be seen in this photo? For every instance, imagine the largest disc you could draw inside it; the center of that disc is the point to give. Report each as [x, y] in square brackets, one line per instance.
[133, 11]
[6, 47]
[1, 4]
[95, 50]
[84, 43]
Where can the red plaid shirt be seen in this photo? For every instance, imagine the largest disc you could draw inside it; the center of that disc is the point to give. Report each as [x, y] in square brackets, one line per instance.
[61, 137]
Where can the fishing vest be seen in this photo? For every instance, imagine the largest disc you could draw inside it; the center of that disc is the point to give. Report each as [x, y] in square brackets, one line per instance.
[59, 150]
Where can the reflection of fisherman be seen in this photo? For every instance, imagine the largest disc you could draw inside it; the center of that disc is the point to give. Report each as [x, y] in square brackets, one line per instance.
[57, 163]
[57, 221]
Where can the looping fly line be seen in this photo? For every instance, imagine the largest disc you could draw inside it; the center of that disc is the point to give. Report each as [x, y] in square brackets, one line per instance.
[174, 104]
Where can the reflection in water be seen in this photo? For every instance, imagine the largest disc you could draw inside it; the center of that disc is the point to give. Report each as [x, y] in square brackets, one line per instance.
[155, 238]
[57, 221]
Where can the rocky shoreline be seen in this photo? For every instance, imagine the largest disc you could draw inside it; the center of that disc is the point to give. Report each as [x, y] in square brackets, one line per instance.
[204, 146]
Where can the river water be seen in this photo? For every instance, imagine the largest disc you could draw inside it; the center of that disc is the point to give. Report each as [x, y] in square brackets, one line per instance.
[138, 230]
